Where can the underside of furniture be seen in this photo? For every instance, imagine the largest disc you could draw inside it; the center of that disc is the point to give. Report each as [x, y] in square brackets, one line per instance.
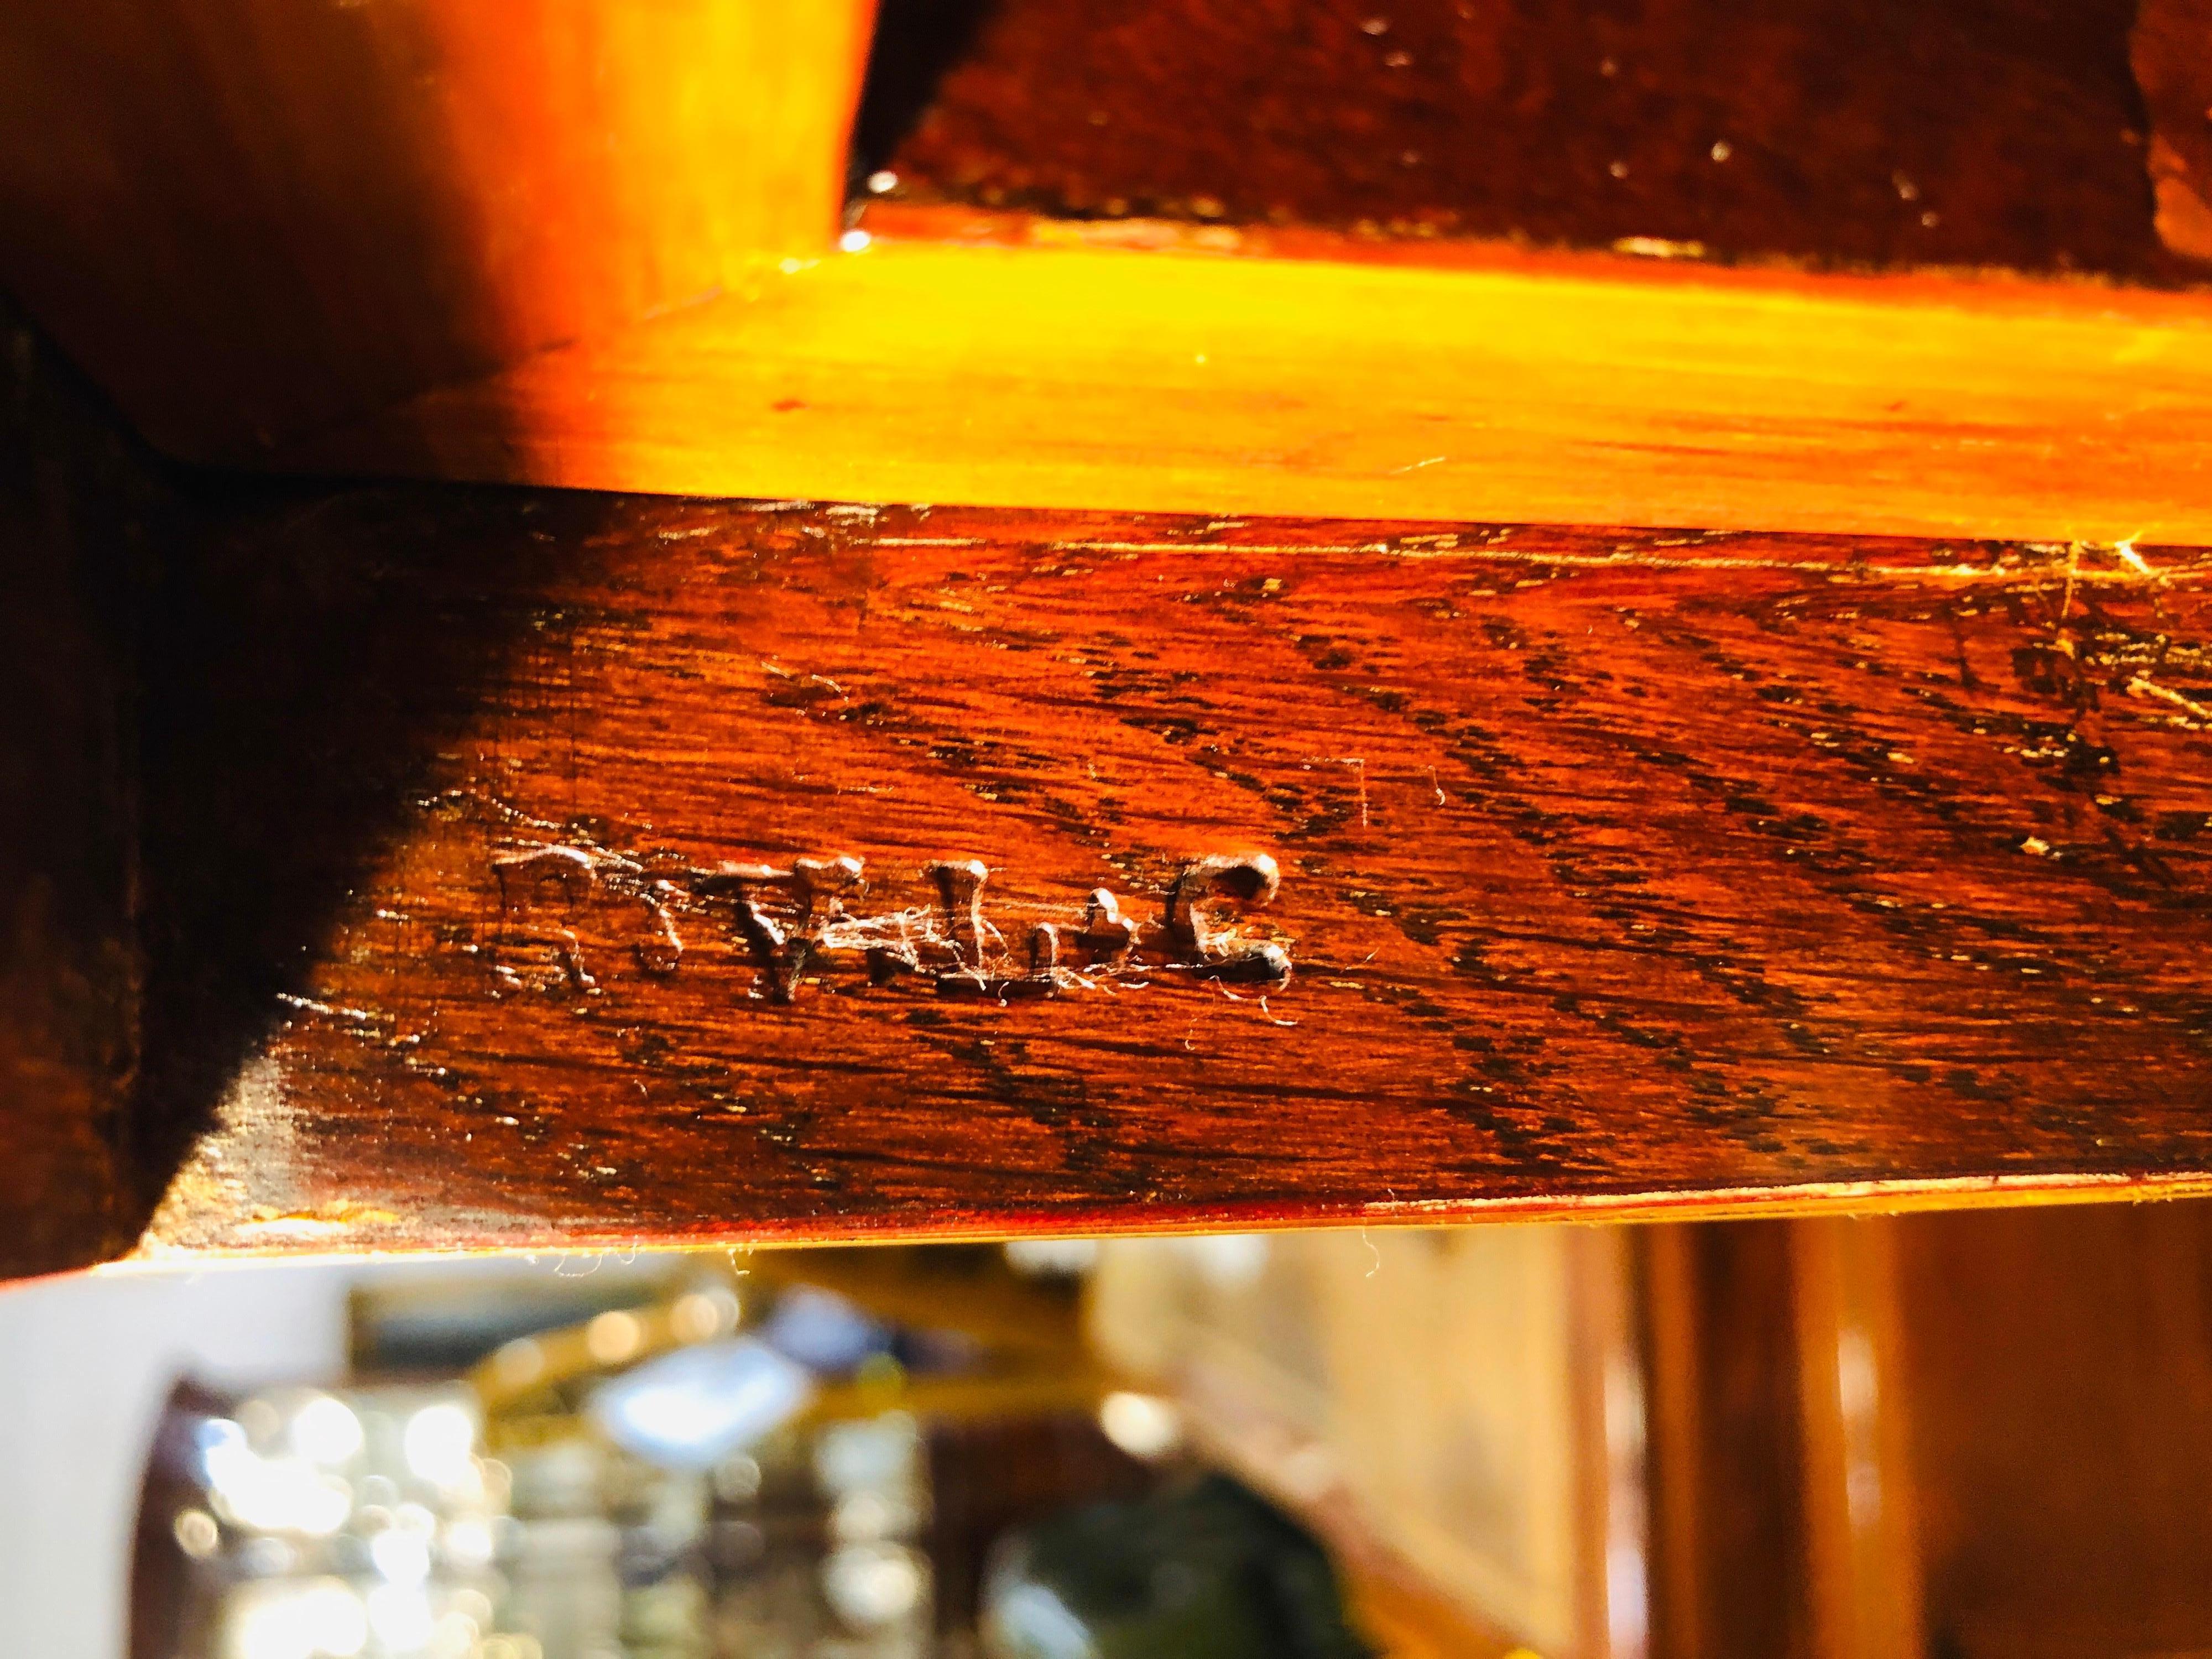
[1395, 726]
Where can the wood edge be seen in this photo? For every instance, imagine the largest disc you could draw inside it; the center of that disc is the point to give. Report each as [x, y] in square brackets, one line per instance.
[513, 425]
[1980, 287]
[1865, 1198]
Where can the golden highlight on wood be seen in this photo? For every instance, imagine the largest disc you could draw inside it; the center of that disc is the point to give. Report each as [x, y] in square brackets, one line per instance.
[1585, 390]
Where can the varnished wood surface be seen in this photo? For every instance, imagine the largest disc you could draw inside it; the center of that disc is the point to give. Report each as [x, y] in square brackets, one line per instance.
[1086, 375]
[1973, 1434]
[1615, 867]
[1860, 1507]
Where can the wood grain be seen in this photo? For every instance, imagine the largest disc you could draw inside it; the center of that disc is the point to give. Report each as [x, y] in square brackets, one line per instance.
[1593, 390]
[1615, 870]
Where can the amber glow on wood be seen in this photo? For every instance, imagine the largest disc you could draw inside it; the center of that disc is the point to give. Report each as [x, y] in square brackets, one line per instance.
[562, 243]
[1586, 391]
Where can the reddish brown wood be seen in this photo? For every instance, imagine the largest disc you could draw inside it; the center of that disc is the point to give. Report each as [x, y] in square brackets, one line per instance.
[1613, 865]
[1968, 131]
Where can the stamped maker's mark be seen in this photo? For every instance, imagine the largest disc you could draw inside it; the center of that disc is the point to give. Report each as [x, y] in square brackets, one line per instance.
[812, 919]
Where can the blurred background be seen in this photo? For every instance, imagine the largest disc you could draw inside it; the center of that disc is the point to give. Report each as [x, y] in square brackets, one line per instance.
[1946, 1434]
[1050, 1448]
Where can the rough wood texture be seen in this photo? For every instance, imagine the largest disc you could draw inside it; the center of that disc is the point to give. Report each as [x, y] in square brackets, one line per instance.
[251, 218]
[1614, 868]
[1571, 390]
[2003, 132]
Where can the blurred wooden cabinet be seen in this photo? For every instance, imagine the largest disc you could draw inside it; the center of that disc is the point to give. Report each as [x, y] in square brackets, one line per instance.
[1959, 1434]
[1995, 1445]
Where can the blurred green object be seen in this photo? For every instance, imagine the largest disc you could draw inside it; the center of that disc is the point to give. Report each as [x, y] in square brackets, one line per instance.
[1207, 1569]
